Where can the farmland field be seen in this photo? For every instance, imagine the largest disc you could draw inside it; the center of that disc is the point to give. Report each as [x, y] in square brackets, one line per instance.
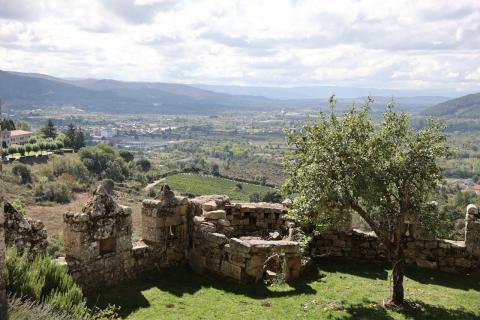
[197, 185]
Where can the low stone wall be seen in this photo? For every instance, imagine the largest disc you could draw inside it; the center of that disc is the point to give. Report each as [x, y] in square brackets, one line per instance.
[23, 232]
[3, 296]
[438, 254]
[244, 242]
[247, 259]
[177, 230]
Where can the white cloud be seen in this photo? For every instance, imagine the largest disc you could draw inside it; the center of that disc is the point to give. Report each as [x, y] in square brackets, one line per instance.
[396, 44]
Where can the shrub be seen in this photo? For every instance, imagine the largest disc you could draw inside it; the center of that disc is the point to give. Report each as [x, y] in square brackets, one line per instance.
[273, 197]
[55, 247]
[43, 281]
[57, 191]
[116, 170]
[35, 147]
[255, 197]
[108, 184]
[21, 150]
[23, 172]
[143, 164]
[12, 150]
[70, 166]
[28, 148]
[126, 155]
[96, 158]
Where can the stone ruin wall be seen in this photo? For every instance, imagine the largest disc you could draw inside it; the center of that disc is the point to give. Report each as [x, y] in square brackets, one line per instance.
[437, 254]
[244, 242]
[176, 230]
[24, 233]
[3, 297]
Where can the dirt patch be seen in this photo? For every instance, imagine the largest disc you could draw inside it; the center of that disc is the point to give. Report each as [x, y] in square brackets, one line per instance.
[52, 216]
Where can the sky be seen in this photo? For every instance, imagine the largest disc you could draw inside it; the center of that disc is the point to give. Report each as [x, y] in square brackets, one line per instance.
[399, 44]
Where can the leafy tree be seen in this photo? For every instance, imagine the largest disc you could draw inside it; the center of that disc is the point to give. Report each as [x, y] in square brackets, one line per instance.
[215, 170]
[28, 148]
[70, 136]
[116, 170]
[126, 155]
[108, 184]
[35, 147]
[384, 173]
[96, 158]
[32, 140]
[12, 150]
[255, 197]
[23, 172]
[22, 125]
[49, 130]
[21, 150]
[43, 145]
[143, 164]
[7, 124]
[59, 144]
[79, 141]
[272, 197]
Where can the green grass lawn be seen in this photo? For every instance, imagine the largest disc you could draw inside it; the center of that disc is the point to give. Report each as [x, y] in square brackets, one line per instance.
[198, 184]
[337, 290]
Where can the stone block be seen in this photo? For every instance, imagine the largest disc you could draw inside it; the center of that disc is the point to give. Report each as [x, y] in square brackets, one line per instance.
[210, 206]
[239, 245]
[224, 222]
[423, 263]
[215, 215]
[197, 220]
[207, 227]
[232, 271]
[217, 238]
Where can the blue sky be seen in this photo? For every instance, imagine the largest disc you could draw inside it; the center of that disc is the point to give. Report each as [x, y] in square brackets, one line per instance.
[388, 44]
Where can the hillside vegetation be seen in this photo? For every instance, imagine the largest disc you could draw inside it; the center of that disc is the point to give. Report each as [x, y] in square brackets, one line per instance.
[464, 107]
[195, 184]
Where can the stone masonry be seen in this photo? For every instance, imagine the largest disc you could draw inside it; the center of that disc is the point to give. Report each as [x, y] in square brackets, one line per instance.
[439, 254]
[242, 242]
[3, 297]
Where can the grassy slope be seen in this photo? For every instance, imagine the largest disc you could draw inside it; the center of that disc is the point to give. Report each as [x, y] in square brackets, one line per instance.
[341, 290]
[202, 185]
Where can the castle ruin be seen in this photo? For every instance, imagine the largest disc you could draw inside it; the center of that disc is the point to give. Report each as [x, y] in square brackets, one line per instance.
[239, 241]
[243, 242]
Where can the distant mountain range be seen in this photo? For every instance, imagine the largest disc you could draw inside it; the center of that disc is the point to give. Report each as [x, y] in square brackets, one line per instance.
[463, 107]
[33, 90]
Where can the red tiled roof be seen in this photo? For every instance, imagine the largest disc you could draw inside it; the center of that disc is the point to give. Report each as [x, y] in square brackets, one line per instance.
[15, 133]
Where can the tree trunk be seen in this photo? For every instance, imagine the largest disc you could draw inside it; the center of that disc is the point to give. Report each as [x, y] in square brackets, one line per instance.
[397, 275]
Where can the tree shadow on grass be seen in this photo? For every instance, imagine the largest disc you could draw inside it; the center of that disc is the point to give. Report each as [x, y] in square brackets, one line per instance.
[182, 281]
[352, 267]
[450, 280]
[424, 312]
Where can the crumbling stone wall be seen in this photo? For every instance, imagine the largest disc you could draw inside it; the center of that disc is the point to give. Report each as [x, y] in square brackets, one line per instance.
[176, 230]
[244, 242]
[439, 254]
[218, 246]
[165, 226]
[3, 297]
[23, 232]
[98, 241]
